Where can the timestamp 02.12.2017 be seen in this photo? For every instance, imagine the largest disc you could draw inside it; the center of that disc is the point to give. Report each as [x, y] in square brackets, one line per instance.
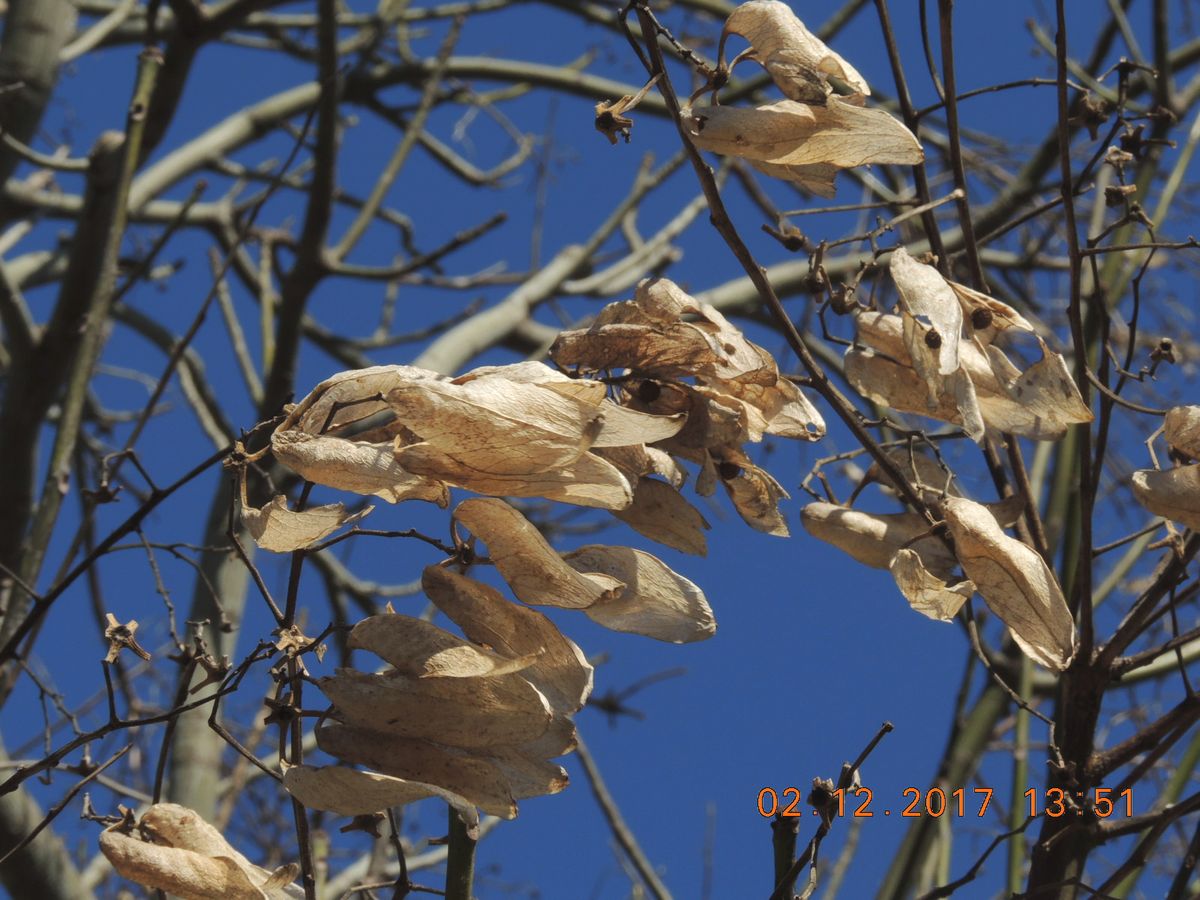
[860, 802]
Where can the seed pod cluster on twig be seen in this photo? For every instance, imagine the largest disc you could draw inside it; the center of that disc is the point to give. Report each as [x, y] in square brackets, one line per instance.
[478, 719]
[814, 133]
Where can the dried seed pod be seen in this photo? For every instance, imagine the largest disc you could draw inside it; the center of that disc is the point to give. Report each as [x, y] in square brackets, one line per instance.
[1181, 428]
[1014, 581]
[190, 859]
[797, 60]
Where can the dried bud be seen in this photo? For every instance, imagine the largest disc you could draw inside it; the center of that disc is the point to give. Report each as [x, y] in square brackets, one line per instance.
[1093, 113]
[1164, 352]
[820, 797]
[1118, 158]
[841, 299]
[1132, 141]
[611, 119]
[1162, 113]
[121, 637]
[789, 236]
[1115, 194]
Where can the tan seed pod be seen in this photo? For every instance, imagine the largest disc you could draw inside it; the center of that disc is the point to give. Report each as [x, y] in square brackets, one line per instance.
[1181, 428]
[276, 528]
[656, 601]
[530, 566]
[1014, 581]
[1173, 493]
[788, 133]
[926, 593]
[191, 859]
[798, 61]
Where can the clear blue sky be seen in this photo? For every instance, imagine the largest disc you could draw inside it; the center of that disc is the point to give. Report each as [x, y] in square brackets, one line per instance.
[812, 652]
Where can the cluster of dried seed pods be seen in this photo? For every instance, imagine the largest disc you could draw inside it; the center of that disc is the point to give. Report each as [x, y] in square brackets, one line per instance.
[937, 356]
[170, 848]
[814, 133]
[673, 355]
[478, 719]
[960, 377]
[1175, 493]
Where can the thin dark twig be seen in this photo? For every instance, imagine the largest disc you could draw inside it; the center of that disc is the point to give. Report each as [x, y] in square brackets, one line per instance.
[181, 693]
[972, 873]
[966, 223]
[53, 812]
[42, 606]
[844, 782]
[973, 631]
[618, 826]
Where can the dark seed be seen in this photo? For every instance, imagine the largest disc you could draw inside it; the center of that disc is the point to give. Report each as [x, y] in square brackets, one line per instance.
[729, 470]
[981, 318]
[933, 340]
[649, 391]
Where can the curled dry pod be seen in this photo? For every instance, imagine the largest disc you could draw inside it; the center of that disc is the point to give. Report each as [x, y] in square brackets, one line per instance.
[882, 370]
[926, 593]
[351, 792]
[788, 133]
[756, 495]
[530, 566]
[656, 601]
[783, 408]
[473, 777]
[472, 713]
[349, 397]
[986, 317]
[1181, 428]
[360, 468]
[191, 859]
[588, 481]
[1014, 581]
[559, 669]
[496, 426]
[276, 528]
[932, 321]
[819, 178]
[735, 357]
[1173, 493]
[638, 460]
[874, 539]
[420, 649]
[676, 350]
[1039, 403]
[797, 60]
[660, 513]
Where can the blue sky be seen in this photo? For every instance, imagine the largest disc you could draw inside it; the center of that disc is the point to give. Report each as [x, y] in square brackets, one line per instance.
[812, 652]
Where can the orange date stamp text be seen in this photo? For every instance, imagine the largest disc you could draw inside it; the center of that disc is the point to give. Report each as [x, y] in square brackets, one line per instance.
[861, 803]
